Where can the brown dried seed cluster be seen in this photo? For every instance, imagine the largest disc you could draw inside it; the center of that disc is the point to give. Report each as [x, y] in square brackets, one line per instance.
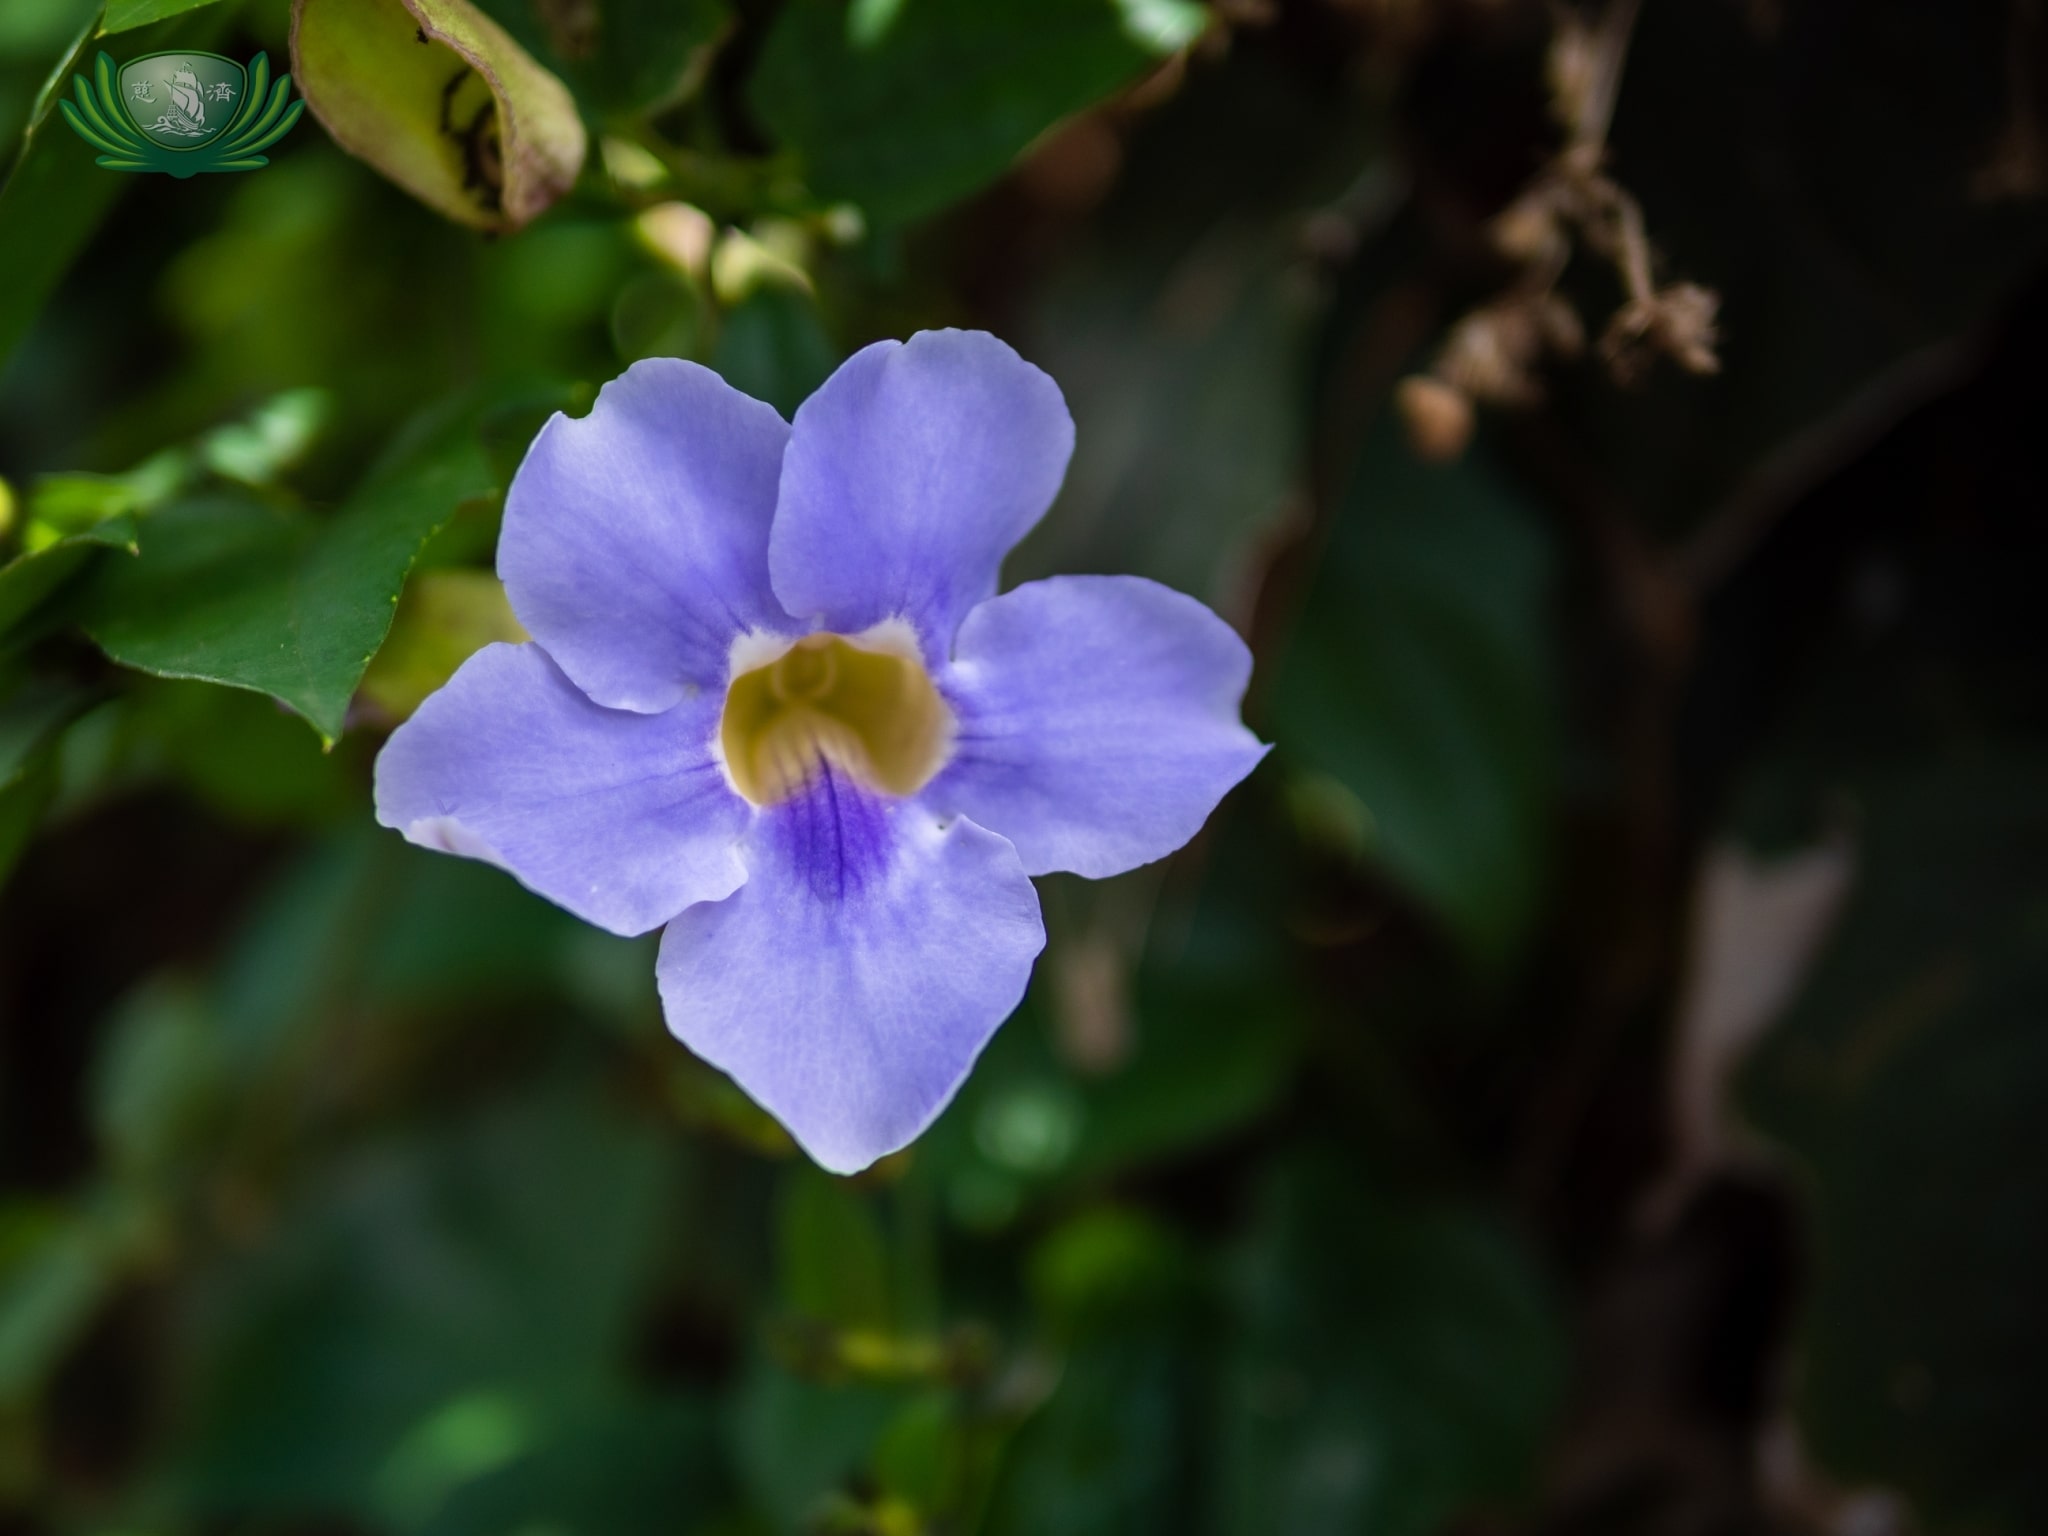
[1494, 354]
[1679, 321]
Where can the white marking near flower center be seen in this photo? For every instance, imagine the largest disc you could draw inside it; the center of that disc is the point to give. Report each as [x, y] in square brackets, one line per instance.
[862, 703]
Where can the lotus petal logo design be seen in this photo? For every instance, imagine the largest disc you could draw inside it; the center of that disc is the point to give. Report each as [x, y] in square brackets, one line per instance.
[182, 113]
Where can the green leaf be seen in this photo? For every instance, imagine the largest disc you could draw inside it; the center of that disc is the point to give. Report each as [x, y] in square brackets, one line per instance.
[455, 932]
[1420, 679]
[250, 761]
[156, 1081]
[22, 804]
[636, 1467]
[908, 117]
[773, 346]
[1191, 445]
[443, 619]
[55, 1269]
[1910, 1082]
[1103, 1269]
[127, 15]
[270, 440]
[1182, 340]
[628, 57]
[919, 1458]
[52, 200]
[1210, 1053]
[1111, 1451]
[834, 1264]
[72, 514]
[30, 579]
[1211, 1056]
[470, 1436]
[64, 504]
[796, 1441]
[1392, 1364]
[227, 590]
[431, 1305]
[34, 32]
[30, 718]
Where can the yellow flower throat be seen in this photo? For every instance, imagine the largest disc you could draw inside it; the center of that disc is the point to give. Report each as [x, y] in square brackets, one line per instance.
[868, 711]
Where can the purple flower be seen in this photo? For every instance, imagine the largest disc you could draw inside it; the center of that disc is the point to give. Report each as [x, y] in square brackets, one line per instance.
[774, 702]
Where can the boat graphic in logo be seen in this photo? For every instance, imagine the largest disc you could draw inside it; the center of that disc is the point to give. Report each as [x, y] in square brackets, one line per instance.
[182, 113]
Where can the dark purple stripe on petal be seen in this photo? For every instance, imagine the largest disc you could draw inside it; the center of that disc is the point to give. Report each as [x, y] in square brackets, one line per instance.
[833, 835]
[850, 983]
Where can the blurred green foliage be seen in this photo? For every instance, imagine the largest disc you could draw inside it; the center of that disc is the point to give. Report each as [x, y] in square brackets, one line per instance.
[1327, 1179]
[1420, 682]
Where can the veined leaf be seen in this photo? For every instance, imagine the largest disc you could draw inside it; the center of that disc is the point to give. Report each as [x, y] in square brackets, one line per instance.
[229, 590]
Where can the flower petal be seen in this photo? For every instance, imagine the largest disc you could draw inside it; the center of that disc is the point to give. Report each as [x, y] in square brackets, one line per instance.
[850, 984]
[625, 819]
[1098, 722]
[910, 474]
[635, 545]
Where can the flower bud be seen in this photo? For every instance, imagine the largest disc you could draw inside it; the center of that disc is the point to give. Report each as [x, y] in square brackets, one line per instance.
[680, 234]
[743, 263]
[631, 166]
[439, 98]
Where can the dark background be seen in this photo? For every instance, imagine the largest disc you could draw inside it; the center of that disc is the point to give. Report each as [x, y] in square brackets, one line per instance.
[1592, 1078]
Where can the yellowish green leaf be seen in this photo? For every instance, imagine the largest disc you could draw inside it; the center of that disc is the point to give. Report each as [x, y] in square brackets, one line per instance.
[442, 100]
[443, 619]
